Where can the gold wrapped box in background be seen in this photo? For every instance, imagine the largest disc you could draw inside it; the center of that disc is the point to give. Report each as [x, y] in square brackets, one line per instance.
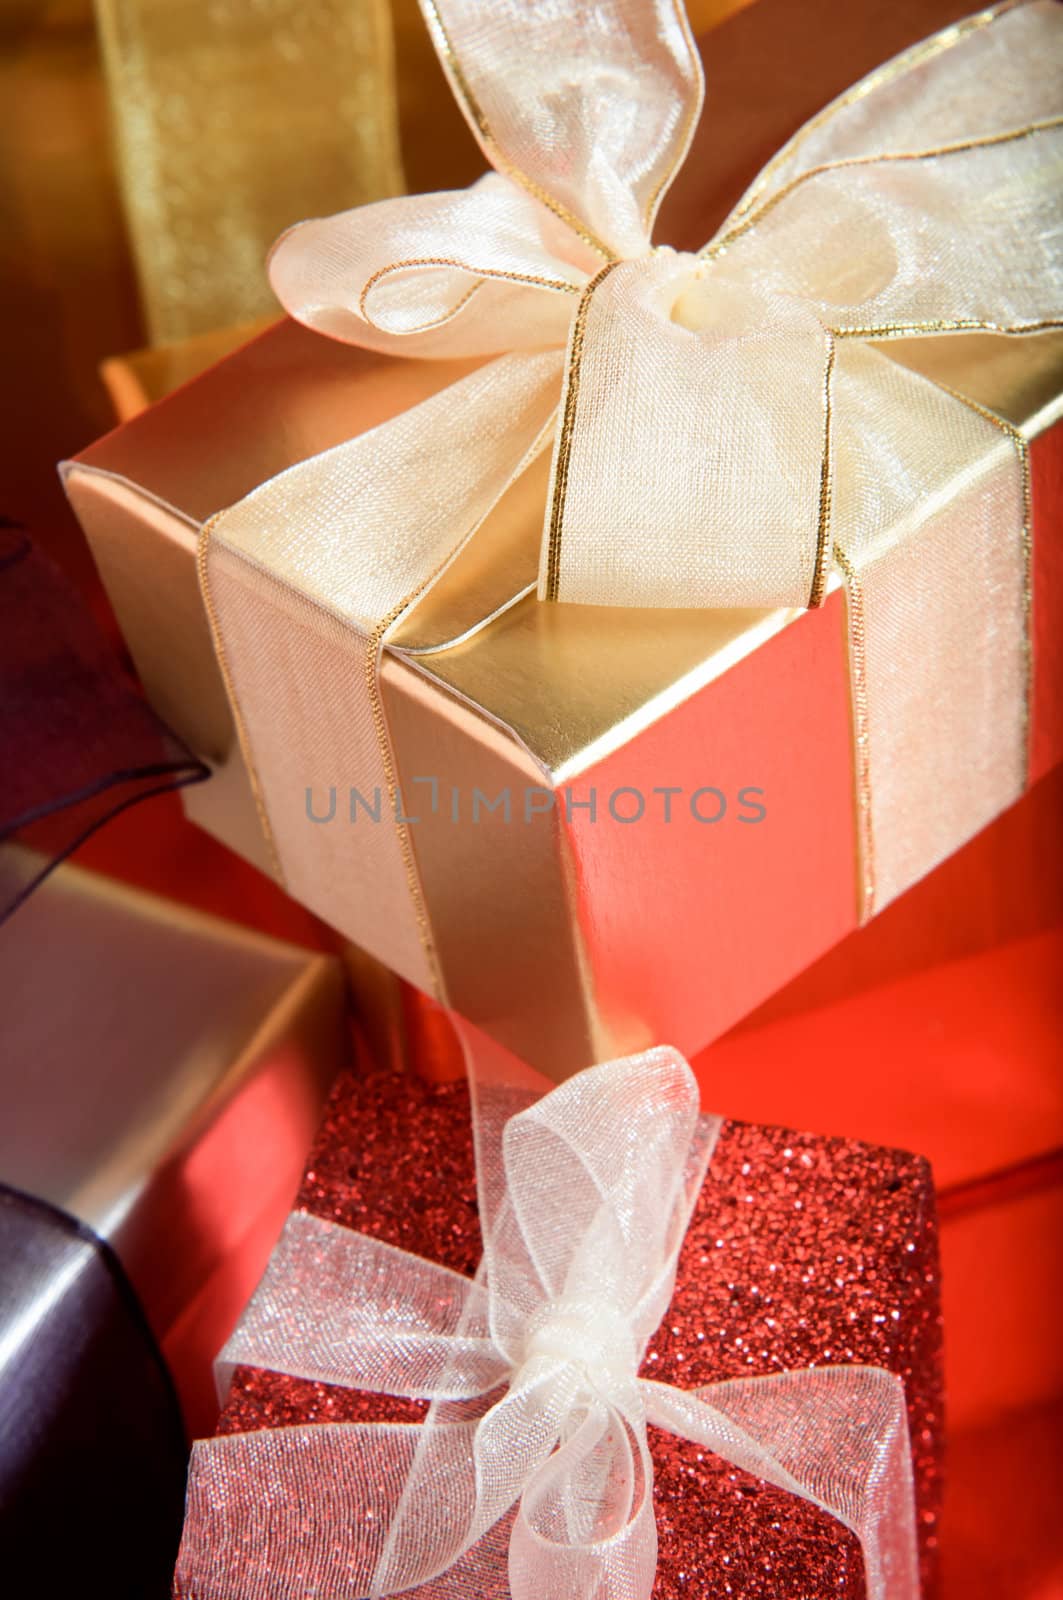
[163, 1075]
[233, 121]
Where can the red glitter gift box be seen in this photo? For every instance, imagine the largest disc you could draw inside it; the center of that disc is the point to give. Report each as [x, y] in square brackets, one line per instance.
[802, 1250]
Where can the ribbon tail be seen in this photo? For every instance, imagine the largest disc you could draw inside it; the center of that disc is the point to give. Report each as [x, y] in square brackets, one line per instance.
[449, 1505]
[723, 509]
[336, 1306]
[287, 1512]
[304, 579]
[934, 548]
[837, 1436]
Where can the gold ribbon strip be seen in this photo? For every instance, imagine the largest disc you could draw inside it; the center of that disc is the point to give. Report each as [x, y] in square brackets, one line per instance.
[231, 120]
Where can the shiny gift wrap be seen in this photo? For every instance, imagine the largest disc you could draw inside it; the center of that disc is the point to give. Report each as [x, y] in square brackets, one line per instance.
[88, 1416]
[379, 608]
[162, 1073]
[800, 1253]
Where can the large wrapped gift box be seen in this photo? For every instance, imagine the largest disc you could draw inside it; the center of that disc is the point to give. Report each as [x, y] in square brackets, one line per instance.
[802, 1250]
[680, 836]
[162, 1075]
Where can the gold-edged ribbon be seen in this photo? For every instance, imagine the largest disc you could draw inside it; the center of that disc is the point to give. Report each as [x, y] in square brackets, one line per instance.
[728, 428]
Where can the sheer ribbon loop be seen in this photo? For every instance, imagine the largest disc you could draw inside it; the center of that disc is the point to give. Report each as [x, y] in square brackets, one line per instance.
[533, 1459]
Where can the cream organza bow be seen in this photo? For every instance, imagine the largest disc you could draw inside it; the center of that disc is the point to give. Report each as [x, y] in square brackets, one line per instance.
[724, 420]
[536, 1437]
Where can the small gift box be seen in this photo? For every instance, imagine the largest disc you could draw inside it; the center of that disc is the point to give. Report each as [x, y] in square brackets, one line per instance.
[804, 1259]
[162, 1076]
[812, 613]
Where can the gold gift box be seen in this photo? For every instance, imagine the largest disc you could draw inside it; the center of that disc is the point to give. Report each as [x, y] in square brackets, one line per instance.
[164, 1075]
[568, 953]
[569, 941]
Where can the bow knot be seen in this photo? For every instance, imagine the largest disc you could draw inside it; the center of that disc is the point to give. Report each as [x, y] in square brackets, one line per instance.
[592, 1338]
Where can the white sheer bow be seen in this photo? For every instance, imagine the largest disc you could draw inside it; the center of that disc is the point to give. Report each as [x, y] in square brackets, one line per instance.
[534, 1456]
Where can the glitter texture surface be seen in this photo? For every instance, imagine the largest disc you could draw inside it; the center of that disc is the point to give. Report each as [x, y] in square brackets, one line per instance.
[801, 1251]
